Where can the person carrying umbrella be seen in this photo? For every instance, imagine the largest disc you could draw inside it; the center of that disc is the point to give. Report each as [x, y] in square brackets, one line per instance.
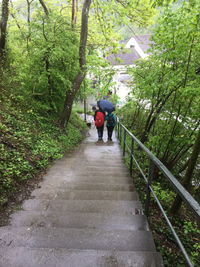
[111, 122]
[106, 105]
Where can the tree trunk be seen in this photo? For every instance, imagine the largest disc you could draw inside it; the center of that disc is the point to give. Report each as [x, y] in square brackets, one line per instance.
[188, 176]
[3, 27]
[73, 13]
[44, 7]
[47, 55]
[28, 21]
[82, 66]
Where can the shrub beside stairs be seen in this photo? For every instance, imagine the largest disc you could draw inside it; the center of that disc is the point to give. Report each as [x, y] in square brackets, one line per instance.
[85, 213]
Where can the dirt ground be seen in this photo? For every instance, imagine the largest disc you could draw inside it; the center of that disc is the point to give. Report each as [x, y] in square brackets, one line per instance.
[17, 199]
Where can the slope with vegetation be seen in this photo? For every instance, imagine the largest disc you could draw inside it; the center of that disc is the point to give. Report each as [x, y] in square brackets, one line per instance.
[29, 143]
[163, 113]
[46, 50]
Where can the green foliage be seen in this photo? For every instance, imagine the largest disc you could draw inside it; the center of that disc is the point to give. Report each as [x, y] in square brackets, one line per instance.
[50, 63]
[184, 225]
[166, 90]
[29, 142]
[165, 196]
[43, 49]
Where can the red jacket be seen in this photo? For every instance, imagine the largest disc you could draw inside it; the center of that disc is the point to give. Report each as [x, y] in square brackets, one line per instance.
[99, 119]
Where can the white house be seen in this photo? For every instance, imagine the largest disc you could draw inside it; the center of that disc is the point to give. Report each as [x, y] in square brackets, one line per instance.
[135, 48]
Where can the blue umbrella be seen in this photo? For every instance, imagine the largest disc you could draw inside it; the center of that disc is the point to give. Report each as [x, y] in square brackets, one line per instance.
[106, 105]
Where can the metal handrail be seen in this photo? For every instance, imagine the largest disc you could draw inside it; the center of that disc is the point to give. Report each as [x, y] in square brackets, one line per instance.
[154, 161]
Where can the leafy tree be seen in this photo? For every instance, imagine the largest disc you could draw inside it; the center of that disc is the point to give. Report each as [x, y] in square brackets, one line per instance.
[70, 95]
[166, 87]
[45, 57]
[104, 12]
[51, 60]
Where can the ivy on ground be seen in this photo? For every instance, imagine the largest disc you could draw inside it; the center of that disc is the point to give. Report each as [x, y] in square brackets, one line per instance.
[29, 142]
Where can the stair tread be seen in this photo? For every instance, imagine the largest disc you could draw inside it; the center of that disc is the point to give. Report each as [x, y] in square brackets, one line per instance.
[82, 173]
[79, 220]
[90, 178]
[104, 206]
[73, 238]
[66, 186]
[60, 257]
[86, 194]
[99, 186]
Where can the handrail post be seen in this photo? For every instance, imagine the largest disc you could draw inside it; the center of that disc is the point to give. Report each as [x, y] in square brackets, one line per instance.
[131, 159]
[148, 191]
[120, 130]
[124, 142]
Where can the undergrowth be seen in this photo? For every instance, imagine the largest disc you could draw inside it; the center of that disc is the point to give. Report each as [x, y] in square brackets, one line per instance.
[29, 143]
[184, 223]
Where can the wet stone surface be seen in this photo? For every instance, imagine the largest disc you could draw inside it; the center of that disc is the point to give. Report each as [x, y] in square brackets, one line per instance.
[84, 213]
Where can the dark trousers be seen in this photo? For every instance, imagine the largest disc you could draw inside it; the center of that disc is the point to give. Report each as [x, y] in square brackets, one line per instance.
[100, 131]
[110, 131]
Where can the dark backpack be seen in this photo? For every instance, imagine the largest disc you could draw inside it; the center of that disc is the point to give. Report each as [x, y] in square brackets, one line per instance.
[111, 120]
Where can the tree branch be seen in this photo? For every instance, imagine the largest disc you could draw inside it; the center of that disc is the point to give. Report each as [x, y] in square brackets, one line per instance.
[44, 7]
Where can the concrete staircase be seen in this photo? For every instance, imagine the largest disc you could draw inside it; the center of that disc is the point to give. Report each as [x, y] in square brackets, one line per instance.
[85, 213]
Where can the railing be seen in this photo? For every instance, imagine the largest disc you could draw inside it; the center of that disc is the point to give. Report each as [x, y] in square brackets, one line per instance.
[154, 161]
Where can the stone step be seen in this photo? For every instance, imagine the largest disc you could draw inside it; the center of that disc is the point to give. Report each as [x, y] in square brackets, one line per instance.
[85, 172]
[90, 186]
[73, 238]
[60, 257]
[108, 168]
[90, 179]
[79, 220]
[51, 189]
[85, 195]
[99, 161]
[107, 163]
[98, 158]
[92, 175]
[98, 186]
[125, 177]
[86, 206]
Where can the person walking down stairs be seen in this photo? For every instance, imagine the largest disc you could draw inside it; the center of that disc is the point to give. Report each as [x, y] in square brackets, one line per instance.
[99, 123]
[111, 122]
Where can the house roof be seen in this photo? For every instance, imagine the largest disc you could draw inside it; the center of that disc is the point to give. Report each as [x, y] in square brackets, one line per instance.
[143, 41]
[125, 57]
[136, 47]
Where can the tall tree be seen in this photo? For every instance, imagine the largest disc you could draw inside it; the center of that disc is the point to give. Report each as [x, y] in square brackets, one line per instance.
[166, 86]
[3, 27]
[70, 94]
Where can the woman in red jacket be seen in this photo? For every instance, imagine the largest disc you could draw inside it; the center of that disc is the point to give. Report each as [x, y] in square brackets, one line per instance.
[99, 123]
